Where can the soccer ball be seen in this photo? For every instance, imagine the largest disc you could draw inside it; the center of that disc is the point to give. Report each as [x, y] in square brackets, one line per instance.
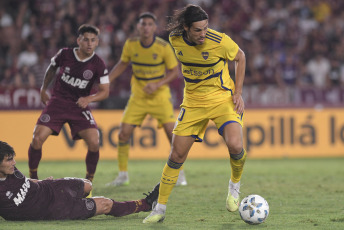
[254, 209]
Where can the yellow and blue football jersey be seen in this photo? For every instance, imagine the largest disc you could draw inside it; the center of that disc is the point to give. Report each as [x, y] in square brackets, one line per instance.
[149, 65]
[205, 68]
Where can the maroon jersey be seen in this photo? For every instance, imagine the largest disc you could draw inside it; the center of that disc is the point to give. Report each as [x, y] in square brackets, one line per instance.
[22, 199]
[76, 77]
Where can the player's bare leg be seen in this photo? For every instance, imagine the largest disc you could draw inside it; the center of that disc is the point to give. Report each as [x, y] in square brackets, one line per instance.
[40, 135]
[124, 135]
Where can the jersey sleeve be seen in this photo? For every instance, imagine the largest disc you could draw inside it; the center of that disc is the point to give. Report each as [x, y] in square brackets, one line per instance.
[230, 48]
[103, 73]
[125, 56]
[170, 58]
[171, 39]
[55, 61]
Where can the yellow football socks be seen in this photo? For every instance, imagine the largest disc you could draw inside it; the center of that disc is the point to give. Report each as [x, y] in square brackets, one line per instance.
[168, 180]
[123, 155]
[237, 165]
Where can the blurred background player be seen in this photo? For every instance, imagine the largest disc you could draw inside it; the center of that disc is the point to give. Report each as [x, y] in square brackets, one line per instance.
[80, 69]
[23, 198]
[150, 56]
[210, 94]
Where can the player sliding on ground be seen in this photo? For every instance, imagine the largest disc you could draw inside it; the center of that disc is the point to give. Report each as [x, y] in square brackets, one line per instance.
[23, 198]
[209, 94]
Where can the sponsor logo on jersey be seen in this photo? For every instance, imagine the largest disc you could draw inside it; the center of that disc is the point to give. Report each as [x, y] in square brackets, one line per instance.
[146, 72]
[198, 73]
[87, 74]
[21, 195]
[180, 53]
[45, 118]
[205, 55]
[76, 82]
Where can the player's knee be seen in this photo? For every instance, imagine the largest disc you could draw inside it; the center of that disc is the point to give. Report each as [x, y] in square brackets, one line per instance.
[107, 205]
[87, 186]
[37, 142]
[123, 136]
[93, 145]
[178, 156]
[104, 205]
[235, 148]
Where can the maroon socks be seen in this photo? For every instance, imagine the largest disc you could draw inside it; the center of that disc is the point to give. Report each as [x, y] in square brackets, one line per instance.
[91, 164]
[128, 207]
[34, 159]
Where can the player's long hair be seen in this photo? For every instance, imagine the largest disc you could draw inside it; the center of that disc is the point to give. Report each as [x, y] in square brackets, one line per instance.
[5, 150]
[185, 17]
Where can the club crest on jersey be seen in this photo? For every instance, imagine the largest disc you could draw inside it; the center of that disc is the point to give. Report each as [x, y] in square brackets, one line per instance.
[155, 56]
[9, 194]
[89, 204]
[87, 74]
[205, 55]
[67, 70]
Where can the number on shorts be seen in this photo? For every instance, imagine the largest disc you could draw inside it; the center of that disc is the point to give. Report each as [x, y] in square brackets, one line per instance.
[88, 115]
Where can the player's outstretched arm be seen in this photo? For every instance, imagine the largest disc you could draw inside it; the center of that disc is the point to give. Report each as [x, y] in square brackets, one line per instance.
[117, 70]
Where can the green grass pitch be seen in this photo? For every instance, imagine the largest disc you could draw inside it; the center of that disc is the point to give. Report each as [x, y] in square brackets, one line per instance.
[302, 194]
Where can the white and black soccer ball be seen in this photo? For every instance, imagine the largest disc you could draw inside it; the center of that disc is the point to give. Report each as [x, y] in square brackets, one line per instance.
[254, 209]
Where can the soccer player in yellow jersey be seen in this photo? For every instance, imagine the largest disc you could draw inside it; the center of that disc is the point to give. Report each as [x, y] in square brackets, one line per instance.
[209, 94]
[154, 65]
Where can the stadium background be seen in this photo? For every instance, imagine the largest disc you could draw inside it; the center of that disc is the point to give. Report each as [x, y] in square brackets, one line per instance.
[294, 85]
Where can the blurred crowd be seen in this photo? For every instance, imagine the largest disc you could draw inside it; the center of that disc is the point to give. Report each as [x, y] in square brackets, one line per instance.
[290, 45]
